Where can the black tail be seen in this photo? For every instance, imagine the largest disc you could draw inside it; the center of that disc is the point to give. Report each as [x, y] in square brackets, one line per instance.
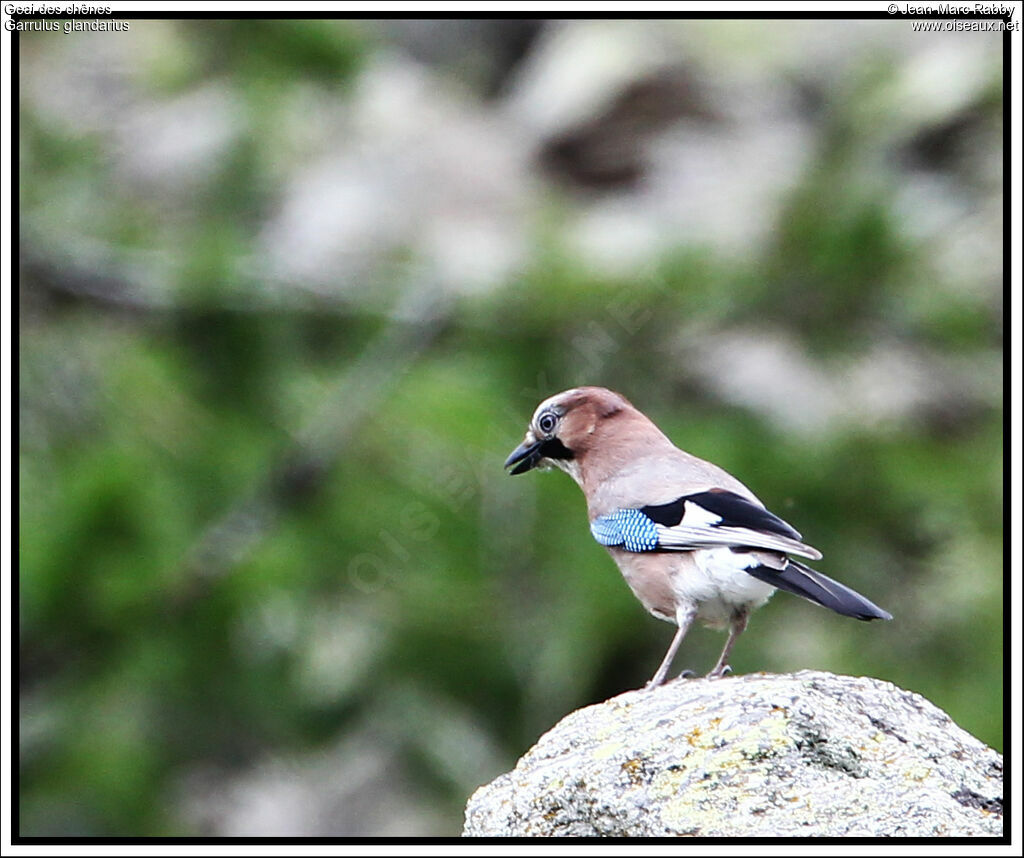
[818, 588]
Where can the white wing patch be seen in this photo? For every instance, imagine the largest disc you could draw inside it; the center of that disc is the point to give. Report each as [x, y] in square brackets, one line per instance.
[694, 515]
[688, 537]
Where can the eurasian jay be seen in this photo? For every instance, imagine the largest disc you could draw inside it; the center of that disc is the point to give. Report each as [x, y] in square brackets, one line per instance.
[692, 542]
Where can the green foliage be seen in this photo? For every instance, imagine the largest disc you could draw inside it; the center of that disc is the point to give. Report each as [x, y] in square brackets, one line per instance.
[274, 52]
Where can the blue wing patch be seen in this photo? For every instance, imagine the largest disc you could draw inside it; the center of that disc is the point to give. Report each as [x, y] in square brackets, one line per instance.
[629, 528]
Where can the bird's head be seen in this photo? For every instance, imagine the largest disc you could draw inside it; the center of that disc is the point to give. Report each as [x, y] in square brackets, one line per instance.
[564, 429]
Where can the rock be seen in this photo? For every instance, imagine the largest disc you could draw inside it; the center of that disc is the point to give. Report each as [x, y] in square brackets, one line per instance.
[809, 754]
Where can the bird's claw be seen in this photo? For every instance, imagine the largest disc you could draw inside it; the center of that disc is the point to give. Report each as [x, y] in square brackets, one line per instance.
[719, 672]
[686, 674]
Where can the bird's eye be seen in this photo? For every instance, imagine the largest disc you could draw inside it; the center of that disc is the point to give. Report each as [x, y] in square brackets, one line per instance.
[546, 422]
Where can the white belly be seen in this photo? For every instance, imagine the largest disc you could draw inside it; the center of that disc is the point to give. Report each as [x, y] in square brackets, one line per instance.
[719, 585]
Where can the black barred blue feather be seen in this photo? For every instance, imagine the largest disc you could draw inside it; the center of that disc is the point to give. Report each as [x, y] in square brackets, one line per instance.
[628, 528]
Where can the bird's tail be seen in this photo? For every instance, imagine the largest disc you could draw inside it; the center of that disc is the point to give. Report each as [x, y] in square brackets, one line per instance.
[818, 588]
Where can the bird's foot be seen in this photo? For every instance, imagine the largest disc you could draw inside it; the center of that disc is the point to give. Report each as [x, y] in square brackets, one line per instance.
[718, 672]
[686, 674]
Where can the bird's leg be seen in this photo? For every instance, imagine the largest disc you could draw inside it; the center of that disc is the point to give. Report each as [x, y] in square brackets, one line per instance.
[684, 617]
[739, 623]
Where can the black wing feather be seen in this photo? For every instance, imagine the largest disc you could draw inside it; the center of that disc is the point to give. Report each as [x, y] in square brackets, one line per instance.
[734, 510]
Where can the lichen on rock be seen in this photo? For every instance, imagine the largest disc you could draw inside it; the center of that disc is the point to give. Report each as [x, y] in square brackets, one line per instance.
[806, 754]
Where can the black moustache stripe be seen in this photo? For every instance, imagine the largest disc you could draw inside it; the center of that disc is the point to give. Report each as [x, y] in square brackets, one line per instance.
[555, 449]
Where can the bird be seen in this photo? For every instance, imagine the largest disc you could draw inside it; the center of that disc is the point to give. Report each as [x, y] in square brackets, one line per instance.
[692, 542]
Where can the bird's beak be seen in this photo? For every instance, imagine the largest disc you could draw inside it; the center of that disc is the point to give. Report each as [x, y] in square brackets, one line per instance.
[525, 456]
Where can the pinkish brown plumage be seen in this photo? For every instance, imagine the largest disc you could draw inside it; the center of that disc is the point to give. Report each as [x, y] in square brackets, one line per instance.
[692, 542]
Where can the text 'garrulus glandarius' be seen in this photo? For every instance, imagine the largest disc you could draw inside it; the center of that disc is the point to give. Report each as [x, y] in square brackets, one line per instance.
[692, 542]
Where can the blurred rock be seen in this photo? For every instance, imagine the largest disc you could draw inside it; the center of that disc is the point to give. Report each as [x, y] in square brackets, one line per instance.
[358, 787]
[608, 151]
[410, 171]
[665, 134]
[767, 371]
[178, 143]
[807, 754]
[667, 150]
[480, 52]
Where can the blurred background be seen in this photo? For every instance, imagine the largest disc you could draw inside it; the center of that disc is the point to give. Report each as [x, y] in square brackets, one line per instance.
[290, 292]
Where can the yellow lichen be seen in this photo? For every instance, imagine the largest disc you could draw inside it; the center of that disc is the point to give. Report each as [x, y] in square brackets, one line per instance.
[917, 773]
[634, 770]
[606, 750]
